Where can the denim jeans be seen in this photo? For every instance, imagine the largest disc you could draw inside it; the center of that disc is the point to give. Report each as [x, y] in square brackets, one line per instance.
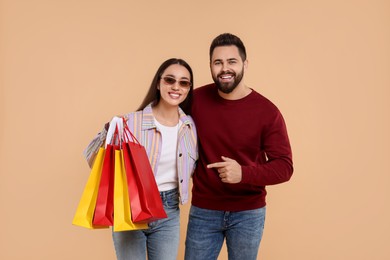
[159, 242]
[207, 230]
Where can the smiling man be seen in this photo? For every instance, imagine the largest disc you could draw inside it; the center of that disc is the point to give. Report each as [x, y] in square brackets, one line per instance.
[243, 147]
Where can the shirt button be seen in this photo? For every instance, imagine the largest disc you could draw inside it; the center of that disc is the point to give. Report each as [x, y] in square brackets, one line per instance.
[180, 154]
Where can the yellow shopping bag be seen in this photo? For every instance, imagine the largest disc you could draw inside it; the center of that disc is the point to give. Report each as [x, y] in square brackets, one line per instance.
[86, 208]
[122, 214]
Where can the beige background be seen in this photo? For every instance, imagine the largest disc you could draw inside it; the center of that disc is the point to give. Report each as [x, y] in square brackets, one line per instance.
[67, 66]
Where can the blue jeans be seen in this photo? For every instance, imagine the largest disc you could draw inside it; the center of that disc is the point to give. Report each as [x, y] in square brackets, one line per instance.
[207, 230]
[159, 242]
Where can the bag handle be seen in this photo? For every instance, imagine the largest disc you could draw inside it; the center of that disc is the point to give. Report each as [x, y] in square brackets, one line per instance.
[127, 134]
[114, 132]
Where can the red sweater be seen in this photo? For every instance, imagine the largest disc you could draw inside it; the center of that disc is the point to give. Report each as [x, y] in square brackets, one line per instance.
[251, 131]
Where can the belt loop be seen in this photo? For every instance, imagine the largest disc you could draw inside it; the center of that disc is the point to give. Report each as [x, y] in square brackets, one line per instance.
[164, 194]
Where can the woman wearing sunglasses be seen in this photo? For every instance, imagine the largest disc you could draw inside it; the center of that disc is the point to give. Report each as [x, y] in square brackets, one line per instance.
[163, 126]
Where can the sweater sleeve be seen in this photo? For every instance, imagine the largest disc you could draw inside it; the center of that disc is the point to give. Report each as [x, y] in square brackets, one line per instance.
[277, 167]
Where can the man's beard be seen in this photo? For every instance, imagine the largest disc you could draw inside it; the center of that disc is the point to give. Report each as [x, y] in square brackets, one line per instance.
[228, 87]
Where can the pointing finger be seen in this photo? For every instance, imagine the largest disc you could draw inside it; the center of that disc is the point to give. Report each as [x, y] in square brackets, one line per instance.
[216, 165]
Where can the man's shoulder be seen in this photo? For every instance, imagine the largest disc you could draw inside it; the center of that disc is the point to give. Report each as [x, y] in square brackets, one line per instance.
[204, 88]
[263, 101]
[260, 96]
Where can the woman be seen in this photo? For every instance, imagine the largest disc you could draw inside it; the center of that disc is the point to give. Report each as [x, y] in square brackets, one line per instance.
[163, 126]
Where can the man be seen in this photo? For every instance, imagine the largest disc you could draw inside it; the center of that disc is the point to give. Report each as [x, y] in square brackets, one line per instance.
[243, 146]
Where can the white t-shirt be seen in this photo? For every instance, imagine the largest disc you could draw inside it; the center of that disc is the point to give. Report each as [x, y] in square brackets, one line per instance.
[166, 176]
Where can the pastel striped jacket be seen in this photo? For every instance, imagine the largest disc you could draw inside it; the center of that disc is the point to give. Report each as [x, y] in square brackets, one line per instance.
[141, 124]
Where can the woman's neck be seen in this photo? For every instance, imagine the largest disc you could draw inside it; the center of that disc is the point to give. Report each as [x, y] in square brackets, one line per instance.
[168, 116]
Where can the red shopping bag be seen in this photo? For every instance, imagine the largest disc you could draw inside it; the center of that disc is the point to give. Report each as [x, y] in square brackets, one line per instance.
[145, 201]
[105, 201]
[104, 209]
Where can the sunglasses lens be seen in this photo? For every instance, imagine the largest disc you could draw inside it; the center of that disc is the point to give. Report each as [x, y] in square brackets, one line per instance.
[169, 80]
[184, 84]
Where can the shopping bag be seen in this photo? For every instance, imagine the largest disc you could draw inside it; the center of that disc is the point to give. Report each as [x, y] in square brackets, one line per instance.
[122, 211]
[105, 199]
[145, 200]
[85, 210]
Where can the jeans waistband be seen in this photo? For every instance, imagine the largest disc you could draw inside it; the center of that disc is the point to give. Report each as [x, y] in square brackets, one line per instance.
[167, 193]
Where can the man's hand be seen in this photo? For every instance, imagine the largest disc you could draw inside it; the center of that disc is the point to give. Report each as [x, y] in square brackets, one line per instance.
[229, 170]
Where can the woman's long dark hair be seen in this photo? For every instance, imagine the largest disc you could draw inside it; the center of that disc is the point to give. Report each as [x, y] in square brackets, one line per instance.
[153, 96]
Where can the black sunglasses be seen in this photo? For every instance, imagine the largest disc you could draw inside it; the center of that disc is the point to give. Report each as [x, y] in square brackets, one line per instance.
[182, 83]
